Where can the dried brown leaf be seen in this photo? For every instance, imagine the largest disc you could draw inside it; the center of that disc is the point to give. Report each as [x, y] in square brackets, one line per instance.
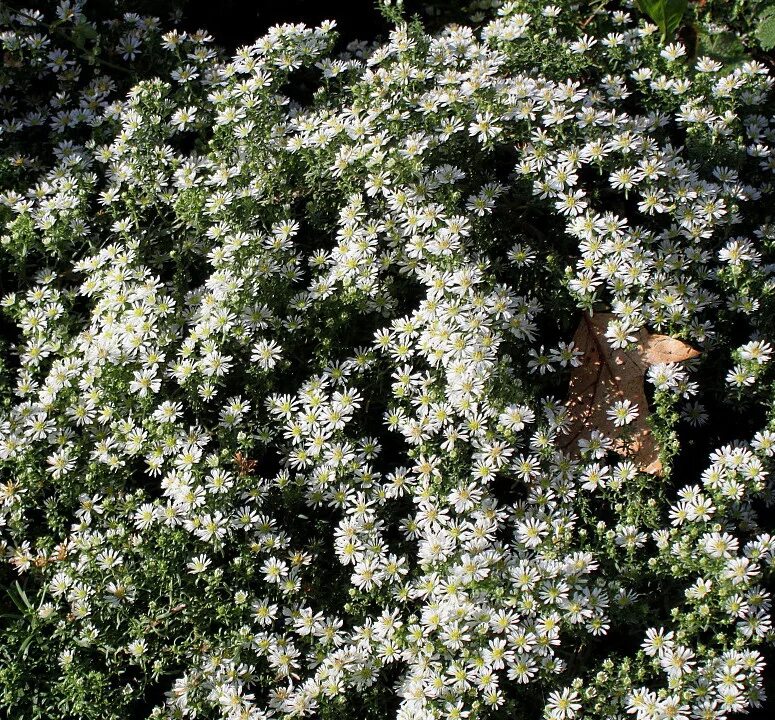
[605, 376]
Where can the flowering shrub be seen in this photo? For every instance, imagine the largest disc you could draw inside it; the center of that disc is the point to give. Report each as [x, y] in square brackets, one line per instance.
[284, 377]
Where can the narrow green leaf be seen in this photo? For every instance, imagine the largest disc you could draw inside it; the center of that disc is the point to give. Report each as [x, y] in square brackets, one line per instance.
[23, 596]
[16, 600]
[25, 646]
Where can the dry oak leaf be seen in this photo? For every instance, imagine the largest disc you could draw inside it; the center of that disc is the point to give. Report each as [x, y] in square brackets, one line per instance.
[605, 376]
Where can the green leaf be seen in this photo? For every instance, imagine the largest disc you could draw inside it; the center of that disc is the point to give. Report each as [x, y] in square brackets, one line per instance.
[83, 33]
[25, 646]
[724, 47]
[765, 30]
[19, 598]
[666, 14]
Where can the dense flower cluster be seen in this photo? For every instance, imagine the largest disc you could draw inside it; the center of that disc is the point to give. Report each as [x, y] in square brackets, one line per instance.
[284, 418]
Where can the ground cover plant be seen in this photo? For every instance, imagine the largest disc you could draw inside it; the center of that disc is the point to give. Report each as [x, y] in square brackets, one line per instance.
[425, 377]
